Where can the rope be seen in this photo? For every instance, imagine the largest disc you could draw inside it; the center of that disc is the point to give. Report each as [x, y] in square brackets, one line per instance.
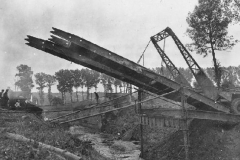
[94, 106]
[143, 52]
[130, 105]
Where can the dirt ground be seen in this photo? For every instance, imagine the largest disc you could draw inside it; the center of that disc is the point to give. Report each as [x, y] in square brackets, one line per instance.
[209, 140]
[107, 145]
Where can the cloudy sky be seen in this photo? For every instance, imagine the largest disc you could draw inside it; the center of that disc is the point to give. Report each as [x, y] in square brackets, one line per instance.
[122, 26]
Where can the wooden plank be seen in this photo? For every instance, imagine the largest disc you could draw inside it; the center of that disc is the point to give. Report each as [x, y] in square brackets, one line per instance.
[160, 122]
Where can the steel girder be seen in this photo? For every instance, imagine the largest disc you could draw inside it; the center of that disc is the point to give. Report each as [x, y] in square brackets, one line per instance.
[128, 69]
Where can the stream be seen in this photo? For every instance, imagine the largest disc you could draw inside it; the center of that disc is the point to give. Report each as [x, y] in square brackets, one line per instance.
[112, 149]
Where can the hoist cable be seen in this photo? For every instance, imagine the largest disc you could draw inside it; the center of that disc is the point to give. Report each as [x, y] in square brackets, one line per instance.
[143, 52]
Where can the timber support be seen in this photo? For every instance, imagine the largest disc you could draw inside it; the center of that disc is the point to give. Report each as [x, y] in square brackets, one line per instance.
[141, 126]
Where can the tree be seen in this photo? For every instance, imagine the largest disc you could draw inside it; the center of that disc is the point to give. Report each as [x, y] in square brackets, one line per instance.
[124, 84]
[91, 78]
[230, 77]
[186, 73]
[40, 81]
[208, 29]
[210, 73]
[78, 80]
[65, 82]
[25, 82]
[120, 86]
[109, 84]
[69, 83]
[116, 83]
[50, 81]
[103, 80]
[232, 9]
[163, 71]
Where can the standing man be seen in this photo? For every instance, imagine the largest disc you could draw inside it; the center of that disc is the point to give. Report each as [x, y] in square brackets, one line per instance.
[1, 97]
[96, 96]
[5, 97]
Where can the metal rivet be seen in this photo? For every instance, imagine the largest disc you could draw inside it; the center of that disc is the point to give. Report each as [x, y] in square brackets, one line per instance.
[69, 36]
[80, 40]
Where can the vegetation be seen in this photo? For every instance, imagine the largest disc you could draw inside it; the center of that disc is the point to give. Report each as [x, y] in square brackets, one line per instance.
[44, 80]
[78, 80]
[117, 83]
[56, 101]
[50, 81]
[65, 82]
[33, 128]
[91, 78]
[25, 82]
[208, 28]
[106, 82]
[41, 82]
[232, 9]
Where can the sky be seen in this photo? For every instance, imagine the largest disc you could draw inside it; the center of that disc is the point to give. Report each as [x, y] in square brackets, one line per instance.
[121, 26]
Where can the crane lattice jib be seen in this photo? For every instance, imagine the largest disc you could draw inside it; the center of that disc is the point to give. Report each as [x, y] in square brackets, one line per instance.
[206, 84]
[195, 68]
[169, 64]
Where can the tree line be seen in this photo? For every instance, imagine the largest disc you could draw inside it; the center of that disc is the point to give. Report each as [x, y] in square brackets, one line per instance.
[67, 80]
[229, 76]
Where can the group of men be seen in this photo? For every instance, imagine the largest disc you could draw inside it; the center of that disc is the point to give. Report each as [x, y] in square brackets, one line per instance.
[4, 98]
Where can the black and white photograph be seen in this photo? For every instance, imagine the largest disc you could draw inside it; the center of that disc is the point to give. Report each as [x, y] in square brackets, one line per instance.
[120, 80]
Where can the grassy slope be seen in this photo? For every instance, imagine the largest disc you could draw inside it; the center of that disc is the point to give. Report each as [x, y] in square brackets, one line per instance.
[31, 127]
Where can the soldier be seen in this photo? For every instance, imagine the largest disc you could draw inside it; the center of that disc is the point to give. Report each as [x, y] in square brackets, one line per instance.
[5, 98]
[1, 97]
[96, 96]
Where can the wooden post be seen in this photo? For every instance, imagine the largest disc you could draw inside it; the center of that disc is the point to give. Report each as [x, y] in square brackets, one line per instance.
[141, 126]
[185, 126]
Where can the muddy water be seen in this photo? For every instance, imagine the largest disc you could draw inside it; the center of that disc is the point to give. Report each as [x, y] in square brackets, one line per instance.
[115, 150]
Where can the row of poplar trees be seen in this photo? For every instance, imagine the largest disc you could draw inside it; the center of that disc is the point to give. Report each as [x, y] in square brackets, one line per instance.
[67, 80]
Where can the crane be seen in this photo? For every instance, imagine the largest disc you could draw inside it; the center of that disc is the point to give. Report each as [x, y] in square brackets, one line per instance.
[178, 77]
[206, 84]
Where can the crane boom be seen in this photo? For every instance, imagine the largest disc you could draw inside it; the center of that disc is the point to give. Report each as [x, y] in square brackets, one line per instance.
[206, 84]
[169, 64]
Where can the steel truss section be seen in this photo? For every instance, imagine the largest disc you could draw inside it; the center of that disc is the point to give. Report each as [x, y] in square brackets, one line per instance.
[206, 84]
[76, 48]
